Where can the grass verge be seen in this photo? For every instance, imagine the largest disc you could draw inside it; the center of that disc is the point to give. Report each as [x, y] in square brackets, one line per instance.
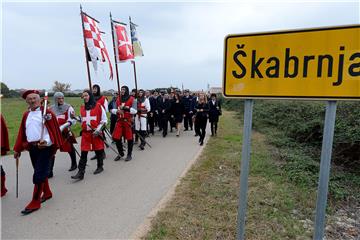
[205, 203]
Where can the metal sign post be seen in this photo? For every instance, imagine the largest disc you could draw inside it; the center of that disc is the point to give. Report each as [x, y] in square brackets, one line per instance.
[244, 174]
[324, 169]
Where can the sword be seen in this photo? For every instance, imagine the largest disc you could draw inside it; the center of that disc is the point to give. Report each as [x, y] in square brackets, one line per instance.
[137, 134]
[104, 141]
[67, 139]
[70, 134]
[17, 177]
[44, 113]
[108, 132]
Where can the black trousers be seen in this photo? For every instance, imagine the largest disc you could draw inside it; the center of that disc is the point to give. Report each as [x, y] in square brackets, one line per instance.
[40, 160]
[151, 123]
[119, 146]
[197, 127]
[172, 123]
[214, 126]
[113, 119]
[156, 119]
[200, 126]
[164, 123]
[83, 159]
[2, 171]
[188, 121]
[72, 155]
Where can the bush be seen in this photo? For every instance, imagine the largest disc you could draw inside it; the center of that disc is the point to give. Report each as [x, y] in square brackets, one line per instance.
[303, 122]
[295, 128]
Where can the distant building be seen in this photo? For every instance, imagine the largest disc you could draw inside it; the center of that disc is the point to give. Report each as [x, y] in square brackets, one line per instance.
[215, 90]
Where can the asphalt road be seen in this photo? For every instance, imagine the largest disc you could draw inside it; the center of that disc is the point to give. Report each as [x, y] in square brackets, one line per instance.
[110, 205]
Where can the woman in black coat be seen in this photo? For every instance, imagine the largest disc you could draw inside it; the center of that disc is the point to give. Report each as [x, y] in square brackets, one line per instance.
[177, 112]
[214, 113]
[201, 115]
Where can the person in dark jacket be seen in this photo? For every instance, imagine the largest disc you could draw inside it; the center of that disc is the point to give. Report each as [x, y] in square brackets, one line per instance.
[164, 108]
[193, 103]
[113, 117]
[151, 113]
[156, 116]
[201, 115]
[177, 112]
[171, 118]
[214, 113]
[187, 99]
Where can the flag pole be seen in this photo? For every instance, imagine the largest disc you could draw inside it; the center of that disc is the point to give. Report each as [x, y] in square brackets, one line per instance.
[115, 54]
[133, 62]
[85, 48]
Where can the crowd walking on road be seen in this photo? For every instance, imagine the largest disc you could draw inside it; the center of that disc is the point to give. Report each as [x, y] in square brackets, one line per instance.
[134, 117]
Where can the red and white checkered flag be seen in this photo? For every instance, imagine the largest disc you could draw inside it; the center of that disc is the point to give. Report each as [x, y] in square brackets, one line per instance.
[95, 45]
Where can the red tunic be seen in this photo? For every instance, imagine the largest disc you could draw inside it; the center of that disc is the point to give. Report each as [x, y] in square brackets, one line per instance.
[68, 136]
[89, 142]
[4, 137]
[124, 122]
[52, 126]
[101, 101]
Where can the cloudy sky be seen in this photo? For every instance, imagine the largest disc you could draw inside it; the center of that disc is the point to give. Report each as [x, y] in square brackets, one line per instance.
[182, 41]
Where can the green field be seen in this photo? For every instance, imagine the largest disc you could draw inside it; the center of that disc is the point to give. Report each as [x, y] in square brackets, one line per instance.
[13, 108]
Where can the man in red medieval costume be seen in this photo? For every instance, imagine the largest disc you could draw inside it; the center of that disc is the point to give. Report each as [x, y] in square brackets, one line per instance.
[99, 98]
[93, 118]
[126, 107]
[102, 100]
[39, 133]
[4, 149]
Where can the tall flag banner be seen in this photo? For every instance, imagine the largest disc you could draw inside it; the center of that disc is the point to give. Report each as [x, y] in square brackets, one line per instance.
[95, 45]
[138, 52]
[123, 43]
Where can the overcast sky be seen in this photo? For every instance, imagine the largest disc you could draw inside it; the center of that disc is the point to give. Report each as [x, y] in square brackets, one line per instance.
[182, 42]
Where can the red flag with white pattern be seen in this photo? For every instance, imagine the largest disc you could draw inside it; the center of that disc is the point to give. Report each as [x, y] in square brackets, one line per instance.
[123, 43]
[95, 45]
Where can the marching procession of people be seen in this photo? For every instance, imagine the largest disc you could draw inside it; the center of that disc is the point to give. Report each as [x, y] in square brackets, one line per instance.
[134, 115]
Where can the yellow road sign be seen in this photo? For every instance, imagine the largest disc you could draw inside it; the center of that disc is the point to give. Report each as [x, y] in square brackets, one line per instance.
[319, 63]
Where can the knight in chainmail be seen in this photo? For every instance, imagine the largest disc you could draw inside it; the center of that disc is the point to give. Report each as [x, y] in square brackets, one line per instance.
[65, 116]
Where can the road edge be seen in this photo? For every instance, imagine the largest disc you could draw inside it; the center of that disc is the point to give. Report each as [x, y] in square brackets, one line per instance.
[144, 227]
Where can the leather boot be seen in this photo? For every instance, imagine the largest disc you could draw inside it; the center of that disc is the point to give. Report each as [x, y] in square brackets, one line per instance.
[3, 188]
[130, 148]
[120, 149]
[47, 194]
[73, 167]
[142, 145]
[79, 175]
[73, 160]
[98, 170]
[136, 137]
[100, 164]
[35, 203]
[81, 172]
